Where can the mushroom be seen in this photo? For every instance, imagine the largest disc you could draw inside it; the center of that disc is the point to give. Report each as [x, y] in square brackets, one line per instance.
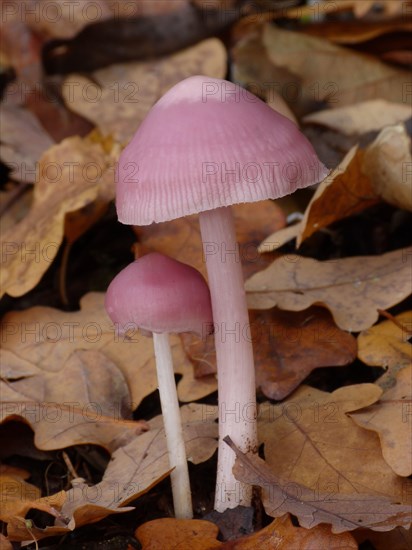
[161, 295]
[205, 145]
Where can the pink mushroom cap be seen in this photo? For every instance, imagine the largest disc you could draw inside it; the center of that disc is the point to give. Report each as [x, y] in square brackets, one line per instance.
[159, 294]
[209, 143]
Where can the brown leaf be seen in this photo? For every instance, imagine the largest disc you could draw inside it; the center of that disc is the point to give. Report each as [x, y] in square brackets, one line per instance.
[19, 529]
[124, 93]
[390, 418]
[69, 177]
[388, 163]
[141, 464]
[386, 345]
[362, 117]
[56, 335]
[398, 539]
[196, 534]
[353, 289]
[23, 142]
[85, 399]
[343, 512]
[309, 441]
[332, 73]
[201, 535]
[181, 238]
[279, 238]
[287, 347]
[286, 536]
[345, 192]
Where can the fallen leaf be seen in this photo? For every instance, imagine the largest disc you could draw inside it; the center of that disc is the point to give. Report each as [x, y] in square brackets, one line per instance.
[118, 97]
[160, 534]
[397, 539]
[346, 191]
[55, 335]
[23, 142]
[181, 238]
[141, 464]
[19, 529]
[353, 289]
[391, 419]
[343, 513]
[4, 543]
[287, 347]
[351, 77]
[388, 163]
[279, 238]
[364, 116]
[69, 177]
[310, 440]
[85, 399]
[59, 19]
[283, 535]
[386, 345]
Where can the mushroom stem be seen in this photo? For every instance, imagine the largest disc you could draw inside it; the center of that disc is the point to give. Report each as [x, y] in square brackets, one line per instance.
[236, 372]
[179, 477]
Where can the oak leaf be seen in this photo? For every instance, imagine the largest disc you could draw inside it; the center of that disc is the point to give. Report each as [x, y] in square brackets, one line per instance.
[139, 465]
[70, 174]
[162, 534]
[387, 162]
[332, 73]
[47, 337]
[124, 92]
[84, 400]
[311, 443]
[362, 117]
[391, 419]
[353, 289]
[181, 238]
[21, 155]
[287, 347]
[343, 512]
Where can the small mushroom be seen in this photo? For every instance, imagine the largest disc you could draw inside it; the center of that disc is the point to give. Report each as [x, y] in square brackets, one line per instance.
[161, 295]
[205, 145]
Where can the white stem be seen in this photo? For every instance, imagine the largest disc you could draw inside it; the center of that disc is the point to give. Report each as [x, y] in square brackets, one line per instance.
[179, 477]
[236, 372]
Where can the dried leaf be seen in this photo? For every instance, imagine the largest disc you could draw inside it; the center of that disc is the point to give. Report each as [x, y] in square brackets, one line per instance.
[286, 536]
[201, 535]
[124, 93]
[196, 534]
[351, 77]
[323, 449]
[141, 464]
[386, 345]
[70, 175]
[345, 192]
[365, 116]
[391, 419]
[181, 238]
[287, 347]
[85, 400]
[19, 529]
[343, 512]
[388, 163]
[353, 289]
[279, 238]
[398, 539]
[56, 335]
[22, 155]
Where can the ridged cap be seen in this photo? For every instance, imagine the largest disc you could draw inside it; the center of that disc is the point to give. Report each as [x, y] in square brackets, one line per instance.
[159, 294]
[209, 143]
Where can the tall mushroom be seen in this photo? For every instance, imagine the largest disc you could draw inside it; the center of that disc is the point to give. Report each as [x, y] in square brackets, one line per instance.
[205, 145]
[161, 295]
